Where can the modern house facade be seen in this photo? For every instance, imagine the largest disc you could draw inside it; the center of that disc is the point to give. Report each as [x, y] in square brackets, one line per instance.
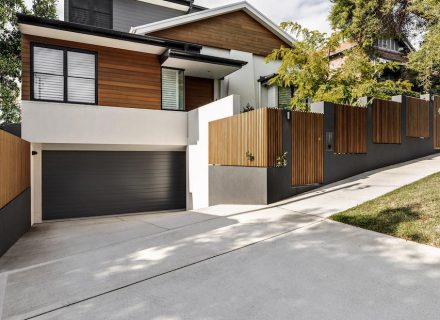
[116, 100]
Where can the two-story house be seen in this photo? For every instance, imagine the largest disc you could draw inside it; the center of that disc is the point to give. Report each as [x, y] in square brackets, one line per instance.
[110, 100]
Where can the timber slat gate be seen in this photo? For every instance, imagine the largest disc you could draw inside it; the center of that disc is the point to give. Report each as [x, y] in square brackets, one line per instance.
[307, 148]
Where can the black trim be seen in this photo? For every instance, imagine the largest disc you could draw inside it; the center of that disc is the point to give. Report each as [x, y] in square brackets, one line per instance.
[65, 73]
[161, 90]
[107, 33]
[265, 79]
[187, 3]
[201, 58]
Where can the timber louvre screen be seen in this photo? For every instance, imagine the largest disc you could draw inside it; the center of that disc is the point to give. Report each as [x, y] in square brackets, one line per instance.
[14, 167]
[350, 129]
[258, 133]
[436, 122]
[387, 122]
[417, 118]
[307, 148]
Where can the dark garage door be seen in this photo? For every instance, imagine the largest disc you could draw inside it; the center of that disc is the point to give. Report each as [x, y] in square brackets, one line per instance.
[93, 183]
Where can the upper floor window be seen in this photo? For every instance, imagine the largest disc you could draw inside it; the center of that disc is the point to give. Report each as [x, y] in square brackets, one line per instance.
[63, 75]
[98, 13]
[389, 44]
[173, 90]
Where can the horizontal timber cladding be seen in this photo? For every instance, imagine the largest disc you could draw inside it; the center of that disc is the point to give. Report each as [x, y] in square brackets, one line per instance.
[125, 78]
[198, 92]
[387, 121]
[251, 139]
[92, 183]
[436, 122]
[236, 30]
[417, 118]
[14, 167]
[350, 129]
[307, 148]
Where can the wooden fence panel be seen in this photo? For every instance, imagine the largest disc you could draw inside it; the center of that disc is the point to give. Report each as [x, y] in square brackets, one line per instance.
[387, 122]
[436, 122]
[350, 129]
[307, 148]
[417, 118]
[14, 167]
[258, 132]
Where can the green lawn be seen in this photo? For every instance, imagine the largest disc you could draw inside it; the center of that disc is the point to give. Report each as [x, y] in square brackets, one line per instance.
[411, 212]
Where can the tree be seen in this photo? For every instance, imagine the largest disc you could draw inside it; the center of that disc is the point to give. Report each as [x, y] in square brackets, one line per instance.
[306, 67]
[10, 52]
[366, 21]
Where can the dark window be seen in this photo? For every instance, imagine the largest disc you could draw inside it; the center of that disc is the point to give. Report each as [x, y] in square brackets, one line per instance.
[98, 13]
[63, 75]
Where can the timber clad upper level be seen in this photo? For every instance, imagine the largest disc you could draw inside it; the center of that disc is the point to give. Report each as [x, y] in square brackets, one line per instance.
[235, 30]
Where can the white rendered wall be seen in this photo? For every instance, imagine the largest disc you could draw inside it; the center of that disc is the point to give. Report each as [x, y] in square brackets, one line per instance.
[44, 122]
[197, 151]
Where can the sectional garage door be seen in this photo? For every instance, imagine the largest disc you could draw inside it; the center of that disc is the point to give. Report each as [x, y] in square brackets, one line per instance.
[93, 183]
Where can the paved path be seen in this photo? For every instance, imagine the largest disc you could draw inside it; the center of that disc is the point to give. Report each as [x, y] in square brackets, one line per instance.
[285, 261]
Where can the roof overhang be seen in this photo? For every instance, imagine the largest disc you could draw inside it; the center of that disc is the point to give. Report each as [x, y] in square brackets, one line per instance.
[210, 13]
[61, 30]
[201, 65]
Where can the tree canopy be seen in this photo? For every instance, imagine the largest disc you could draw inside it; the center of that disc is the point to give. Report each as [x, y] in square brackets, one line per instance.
[306, 67]
[366, 21]
[10, 52]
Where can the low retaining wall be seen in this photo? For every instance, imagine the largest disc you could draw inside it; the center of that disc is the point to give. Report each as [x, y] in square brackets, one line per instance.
[15, 220]
[250, 185]
[341, 166]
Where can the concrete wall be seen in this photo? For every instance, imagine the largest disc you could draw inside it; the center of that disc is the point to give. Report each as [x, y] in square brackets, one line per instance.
[44, 122]
[244, 82]
[341, 166]
[15, 220]
[197, 151]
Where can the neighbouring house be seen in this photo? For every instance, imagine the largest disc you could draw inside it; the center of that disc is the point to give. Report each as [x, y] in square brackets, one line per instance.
[385, 50]
[116, 100]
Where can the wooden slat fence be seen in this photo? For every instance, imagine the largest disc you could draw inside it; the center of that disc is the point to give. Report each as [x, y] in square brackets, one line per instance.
[417, 118]
[350, 129]
[436, 122]
[387, 122]
[307, 148]
[258, 132]
[14, 167]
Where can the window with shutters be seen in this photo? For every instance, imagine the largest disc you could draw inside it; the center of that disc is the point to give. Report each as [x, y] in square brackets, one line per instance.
[173, 89]
[98, 13]
[63, 75]
[284, 97]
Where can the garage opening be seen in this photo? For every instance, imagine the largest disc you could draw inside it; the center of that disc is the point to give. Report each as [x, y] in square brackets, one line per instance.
[94, 183]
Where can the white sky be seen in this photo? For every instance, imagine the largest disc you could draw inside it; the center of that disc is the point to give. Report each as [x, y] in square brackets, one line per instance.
[310, 13]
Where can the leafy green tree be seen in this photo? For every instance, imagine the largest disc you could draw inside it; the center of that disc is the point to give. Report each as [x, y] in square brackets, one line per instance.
[10, 52]
[306, 67]
[366, 21]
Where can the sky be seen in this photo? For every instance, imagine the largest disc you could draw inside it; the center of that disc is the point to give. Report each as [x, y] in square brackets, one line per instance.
[309, 13]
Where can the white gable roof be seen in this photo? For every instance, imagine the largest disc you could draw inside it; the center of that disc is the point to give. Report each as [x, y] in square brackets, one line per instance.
[210, 13]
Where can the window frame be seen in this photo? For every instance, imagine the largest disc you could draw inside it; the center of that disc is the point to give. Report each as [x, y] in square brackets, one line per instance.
[88, 24]
[183, 88]
[65, 72]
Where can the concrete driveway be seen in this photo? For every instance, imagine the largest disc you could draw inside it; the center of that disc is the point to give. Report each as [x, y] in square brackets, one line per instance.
[285, 261]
